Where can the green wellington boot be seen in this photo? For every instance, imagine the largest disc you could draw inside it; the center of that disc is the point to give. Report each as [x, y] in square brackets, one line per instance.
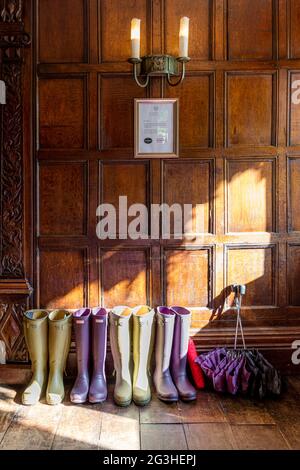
[60, 328]
[143, 338]
[35, 324]
[120, 343]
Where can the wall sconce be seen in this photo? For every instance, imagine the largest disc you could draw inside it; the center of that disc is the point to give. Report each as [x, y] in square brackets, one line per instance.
[159, 65]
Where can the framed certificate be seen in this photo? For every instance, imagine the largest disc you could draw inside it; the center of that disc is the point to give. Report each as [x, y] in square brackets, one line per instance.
[156, 128]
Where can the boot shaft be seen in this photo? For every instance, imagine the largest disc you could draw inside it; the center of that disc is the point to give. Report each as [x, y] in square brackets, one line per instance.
[181, 339]
[143, 340]
[165, 320]
[99, 339]
[120, 339]
[60, 329]
[35, 324]
[81, 325]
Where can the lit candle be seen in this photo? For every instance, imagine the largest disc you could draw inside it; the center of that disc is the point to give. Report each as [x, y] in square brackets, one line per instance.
[184, 37]
[135, 38]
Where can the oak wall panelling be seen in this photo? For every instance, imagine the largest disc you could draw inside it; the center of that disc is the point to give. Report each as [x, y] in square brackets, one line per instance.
[251, 29]
[251, 195]
[66, 24]
[293, 194]
[238, 164]
[251, 108]
[294, 274]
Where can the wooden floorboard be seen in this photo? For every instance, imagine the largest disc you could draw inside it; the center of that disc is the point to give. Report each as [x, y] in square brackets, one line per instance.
[163, 437]
[209, 436]
[213, 422]
[8, 408]
[266, 437]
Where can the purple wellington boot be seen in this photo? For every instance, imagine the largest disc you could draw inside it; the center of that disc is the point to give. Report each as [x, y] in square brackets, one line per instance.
[98, 388]
[81, 322]
[179, 354]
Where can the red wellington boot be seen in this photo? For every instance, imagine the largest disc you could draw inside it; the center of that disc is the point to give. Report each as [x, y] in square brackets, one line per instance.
[196, 371]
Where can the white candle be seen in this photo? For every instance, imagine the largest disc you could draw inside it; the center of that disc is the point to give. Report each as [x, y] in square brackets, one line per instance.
[184, 37]
[135, 38]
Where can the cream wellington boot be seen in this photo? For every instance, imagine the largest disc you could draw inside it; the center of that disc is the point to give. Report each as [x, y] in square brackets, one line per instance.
[143, 337]
[60, 328]
[35, 324]
[120, 342]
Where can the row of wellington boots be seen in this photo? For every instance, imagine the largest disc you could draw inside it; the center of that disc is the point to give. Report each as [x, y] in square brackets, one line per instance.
[90, 326]
[132, 331]
[48, 338]
[172, 339]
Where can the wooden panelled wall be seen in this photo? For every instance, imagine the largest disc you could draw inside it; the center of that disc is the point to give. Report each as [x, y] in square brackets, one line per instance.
[239, 161]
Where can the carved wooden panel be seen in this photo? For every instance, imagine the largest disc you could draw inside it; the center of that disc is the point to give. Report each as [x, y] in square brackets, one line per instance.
[130, 179]
[294, 194]
[11, 328]
[251, 195]
[62, 199]
[293, 28]
[124, 277]
[117, 110]
[294, 275]
[62, 278]
[250, 29]
[254, 266]
[200, 14]
[196, 100]
[251, 109]
[62, 113]
[188, 277]
[11, 240]
[191, 183]
[294, 111]
[65, 23]
[115, 17]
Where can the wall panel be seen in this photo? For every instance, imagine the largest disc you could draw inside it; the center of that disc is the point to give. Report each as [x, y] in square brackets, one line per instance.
[62, 31]
[62, 113]
[294, 194]
[125, 277]
[250, 29]
[251, 194]
[293, 28]
[251, 109]
[188, 277]
[62, 278]
[125, 179]
[254, 266]
[294, 275]
[294, 109]
[115, 19]
[191, 183]
[200, 14]
[63, 199]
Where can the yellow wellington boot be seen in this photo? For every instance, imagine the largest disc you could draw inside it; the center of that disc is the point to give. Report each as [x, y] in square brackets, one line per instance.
[143, 339]
[60, 328]
[120, 343]
[35, 324]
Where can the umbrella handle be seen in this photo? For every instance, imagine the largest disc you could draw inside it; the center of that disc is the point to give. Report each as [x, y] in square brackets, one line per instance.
[239, 291]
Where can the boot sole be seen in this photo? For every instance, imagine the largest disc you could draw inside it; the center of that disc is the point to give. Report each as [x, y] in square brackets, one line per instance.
[78, 402]
[187, 400]
[123, 404]
[142, 403]
[94, 402]
[168, 400]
